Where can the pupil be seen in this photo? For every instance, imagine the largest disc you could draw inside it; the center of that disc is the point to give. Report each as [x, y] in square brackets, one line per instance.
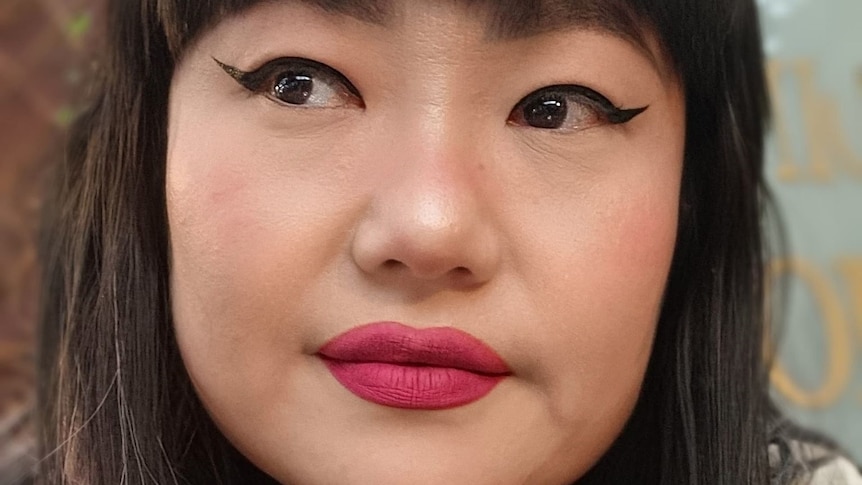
[546, 113]
[293, 88]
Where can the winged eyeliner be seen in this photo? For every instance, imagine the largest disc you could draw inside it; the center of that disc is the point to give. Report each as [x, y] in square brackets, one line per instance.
[253, 81]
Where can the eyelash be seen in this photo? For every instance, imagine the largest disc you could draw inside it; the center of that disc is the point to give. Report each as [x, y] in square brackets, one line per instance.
[265, 80]
[555, 100]
[547, 103]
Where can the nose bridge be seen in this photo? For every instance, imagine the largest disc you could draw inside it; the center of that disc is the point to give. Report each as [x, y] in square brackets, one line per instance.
[437, 122]
[429, 218]
[434, 132]
[436, 151]
[436, 193]
[439, 67]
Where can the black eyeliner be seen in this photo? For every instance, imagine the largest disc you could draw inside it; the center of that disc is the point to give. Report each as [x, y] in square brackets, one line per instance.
[614, 115]
[254, 80]
[233, 72]
[620, 116]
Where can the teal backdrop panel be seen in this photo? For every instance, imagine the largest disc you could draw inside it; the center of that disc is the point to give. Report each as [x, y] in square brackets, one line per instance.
[815, 169]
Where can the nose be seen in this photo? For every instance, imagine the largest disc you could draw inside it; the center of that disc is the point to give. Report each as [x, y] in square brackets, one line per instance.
[429, 221]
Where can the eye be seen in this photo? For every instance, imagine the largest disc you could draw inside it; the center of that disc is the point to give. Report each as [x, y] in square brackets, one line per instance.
[568, 108]
[298, 82]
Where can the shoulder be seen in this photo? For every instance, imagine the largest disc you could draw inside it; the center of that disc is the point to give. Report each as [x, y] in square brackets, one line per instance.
[799, 462]
[838, 471]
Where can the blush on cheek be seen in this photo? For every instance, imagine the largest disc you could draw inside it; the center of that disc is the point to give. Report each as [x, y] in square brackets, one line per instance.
[212, 230]
[209, 216]
[643, 247]
[624, 274]
[647, 233]
[645, 236]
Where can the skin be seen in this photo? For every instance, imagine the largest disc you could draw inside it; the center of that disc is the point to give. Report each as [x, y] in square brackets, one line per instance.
[289, 226]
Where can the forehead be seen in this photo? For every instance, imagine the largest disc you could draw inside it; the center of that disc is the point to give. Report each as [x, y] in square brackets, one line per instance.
[504, 19]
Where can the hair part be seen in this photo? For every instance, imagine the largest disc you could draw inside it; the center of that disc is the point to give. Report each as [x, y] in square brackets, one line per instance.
[115, 402]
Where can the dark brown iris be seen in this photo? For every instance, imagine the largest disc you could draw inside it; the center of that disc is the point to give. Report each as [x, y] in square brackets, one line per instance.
[546, 113]
[293, 88]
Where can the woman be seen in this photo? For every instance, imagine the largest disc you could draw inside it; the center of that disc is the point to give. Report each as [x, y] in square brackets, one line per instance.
[414, 242]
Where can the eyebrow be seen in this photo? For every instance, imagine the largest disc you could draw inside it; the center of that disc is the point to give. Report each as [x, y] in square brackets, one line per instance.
[519, 19]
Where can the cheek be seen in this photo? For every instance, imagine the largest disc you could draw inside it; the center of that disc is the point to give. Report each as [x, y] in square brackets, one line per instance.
[601, 265]
[217, 266]
[241, 215]
[628, 274]
[244, 206]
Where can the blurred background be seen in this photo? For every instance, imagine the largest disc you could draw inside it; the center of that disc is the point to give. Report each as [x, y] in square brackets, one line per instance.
[45, 46]
[814, 166]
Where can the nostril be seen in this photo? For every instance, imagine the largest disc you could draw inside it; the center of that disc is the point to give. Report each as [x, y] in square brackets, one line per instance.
[396, 265]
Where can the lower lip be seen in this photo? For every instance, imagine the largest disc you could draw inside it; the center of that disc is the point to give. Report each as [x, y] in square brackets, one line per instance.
[410, 386]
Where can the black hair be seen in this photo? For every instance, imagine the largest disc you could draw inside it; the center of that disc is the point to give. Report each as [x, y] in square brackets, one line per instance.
[116, 404]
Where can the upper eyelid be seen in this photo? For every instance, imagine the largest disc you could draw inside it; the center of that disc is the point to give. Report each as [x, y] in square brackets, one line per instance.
[253, 79]
[613, 112]
[576, 89]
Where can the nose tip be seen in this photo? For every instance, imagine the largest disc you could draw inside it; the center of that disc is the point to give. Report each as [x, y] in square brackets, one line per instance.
[427, 235]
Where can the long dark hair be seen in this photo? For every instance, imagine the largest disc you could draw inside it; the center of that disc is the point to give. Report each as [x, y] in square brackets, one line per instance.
[116, 404]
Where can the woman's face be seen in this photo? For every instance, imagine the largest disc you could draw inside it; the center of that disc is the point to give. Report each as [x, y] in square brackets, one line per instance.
[418, 170]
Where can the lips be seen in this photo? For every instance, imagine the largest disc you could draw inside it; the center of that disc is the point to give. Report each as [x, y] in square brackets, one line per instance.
[395, 365]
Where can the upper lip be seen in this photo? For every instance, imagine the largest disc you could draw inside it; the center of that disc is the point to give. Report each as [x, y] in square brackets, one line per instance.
[396, 343]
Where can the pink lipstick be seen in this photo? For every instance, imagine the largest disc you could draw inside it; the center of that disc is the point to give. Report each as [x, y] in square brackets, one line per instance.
[394, 365]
